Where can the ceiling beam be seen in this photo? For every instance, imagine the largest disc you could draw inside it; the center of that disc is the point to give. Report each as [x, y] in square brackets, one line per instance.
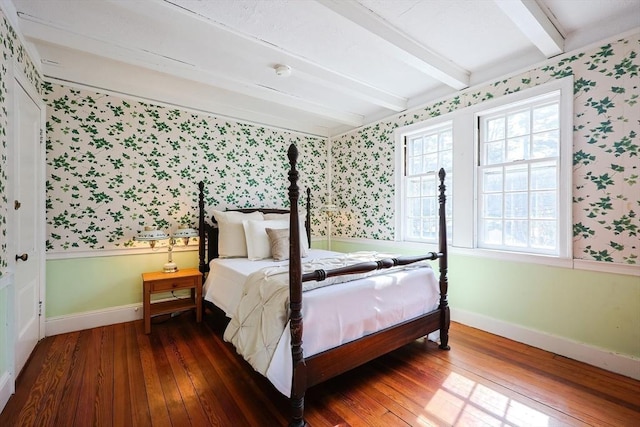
[409, 50]
[534, 24]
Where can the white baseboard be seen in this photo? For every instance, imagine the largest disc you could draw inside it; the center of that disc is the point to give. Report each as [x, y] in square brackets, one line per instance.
[7, 388]
[595, 356]
[92, 319]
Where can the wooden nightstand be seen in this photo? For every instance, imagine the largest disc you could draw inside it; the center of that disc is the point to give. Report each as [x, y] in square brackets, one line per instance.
[158, 281]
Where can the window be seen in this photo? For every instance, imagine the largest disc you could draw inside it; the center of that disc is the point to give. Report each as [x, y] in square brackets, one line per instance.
[508, 162]
[425, 153]
[518, 196]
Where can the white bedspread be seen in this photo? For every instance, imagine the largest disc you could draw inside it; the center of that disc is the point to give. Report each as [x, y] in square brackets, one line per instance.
[333, 315]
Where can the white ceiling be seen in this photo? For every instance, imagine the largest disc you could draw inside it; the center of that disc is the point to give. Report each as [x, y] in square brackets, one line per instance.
[352, 61]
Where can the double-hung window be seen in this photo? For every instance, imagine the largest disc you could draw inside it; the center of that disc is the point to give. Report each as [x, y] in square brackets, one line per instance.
[424, 154]
[518, 175]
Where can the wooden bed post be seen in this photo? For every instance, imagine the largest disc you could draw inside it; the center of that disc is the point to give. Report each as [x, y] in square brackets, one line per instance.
[298, 384]
[308, 217]
[445, 319]
[202, 233]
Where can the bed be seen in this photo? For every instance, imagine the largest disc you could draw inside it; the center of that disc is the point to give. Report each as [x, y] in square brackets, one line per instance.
[268, 299]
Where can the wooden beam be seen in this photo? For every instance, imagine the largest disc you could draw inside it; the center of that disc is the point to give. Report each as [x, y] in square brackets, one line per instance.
[407, 49]
[535, 24]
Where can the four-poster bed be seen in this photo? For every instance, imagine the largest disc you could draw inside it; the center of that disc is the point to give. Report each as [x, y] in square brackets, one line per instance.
[320, 361]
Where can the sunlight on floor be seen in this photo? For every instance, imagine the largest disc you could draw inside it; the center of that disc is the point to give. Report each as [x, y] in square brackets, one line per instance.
[463, 402]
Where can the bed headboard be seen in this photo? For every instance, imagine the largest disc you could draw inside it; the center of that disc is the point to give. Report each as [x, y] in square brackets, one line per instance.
[208, 228]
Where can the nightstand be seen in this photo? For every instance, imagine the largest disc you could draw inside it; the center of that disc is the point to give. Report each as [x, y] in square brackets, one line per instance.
[158, 281]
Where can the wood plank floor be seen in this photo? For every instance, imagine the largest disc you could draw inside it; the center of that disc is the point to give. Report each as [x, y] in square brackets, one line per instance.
[183, 374]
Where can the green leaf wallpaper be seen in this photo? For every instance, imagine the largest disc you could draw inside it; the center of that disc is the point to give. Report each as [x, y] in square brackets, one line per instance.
[12, 53]
[115, 165]
[606, 193]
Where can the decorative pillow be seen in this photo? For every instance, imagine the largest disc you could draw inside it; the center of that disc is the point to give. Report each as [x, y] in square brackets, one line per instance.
[279, 240]
[231, 238]
[258, 246]
[304, 242]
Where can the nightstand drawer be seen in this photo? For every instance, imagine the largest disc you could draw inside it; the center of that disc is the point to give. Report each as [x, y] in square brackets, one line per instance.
[172, 284]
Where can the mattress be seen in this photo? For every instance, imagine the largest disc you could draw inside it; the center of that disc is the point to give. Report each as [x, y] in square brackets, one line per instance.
[332, 315]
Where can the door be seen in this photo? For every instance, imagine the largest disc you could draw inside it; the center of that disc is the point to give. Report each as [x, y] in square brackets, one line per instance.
[26, 227]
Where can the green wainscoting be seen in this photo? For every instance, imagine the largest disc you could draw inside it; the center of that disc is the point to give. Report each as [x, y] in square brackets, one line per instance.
[78, 285]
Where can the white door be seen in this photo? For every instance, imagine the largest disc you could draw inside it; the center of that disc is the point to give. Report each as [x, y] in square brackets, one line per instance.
[27, 224]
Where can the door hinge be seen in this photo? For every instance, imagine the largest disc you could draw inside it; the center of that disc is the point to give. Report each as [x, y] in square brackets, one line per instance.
[41, 136]
[39, 308]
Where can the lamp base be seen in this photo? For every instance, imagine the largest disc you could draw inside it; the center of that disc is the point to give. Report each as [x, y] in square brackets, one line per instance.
[170, 267]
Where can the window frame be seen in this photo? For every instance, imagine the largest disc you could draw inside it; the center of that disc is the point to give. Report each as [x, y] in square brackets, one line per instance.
[505, 164]
[466, 172]
[438, 128]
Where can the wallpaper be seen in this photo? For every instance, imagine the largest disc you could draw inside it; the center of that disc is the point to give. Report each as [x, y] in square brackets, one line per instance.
[12, 52]
[606, 164]
[115, 165]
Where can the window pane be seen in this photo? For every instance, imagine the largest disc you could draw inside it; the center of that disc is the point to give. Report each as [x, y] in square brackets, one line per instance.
[446, 160]
[414, 207]
[494, 152]
[430, 162]
[413, 187]
[545, 144]
[543, 234]
[517, 149]
[492, 180]
[516, 205]
[429, 184]
[415, 165]
[518, 124]
[546, 117]
[415, 146]
[516, 178]
[492, 231]
[431, 144]
[543, 205]
[543, 176]
[429, 207]
[492, 205]
[516, 233]
[446, 140]
[413, 228]
[429, 229]
[494, 129]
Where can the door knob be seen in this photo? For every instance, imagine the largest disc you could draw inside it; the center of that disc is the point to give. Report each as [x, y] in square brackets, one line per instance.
[22, 257]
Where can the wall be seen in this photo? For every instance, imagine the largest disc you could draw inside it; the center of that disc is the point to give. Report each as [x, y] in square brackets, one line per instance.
[595, 309]
[116, 164]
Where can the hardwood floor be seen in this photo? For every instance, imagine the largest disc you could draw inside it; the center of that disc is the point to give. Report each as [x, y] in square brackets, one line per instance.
[183, 374]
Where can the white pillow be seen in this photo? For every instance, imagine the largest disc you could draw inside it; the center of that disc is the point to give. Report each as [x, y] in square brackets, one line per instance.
[258, 245]
[231, 238]
[304, 242]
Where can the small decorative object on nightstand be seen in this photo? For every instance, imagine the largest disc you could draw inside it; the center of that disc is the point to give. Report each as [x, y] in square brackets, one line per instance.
[159, 281]
[151, 235]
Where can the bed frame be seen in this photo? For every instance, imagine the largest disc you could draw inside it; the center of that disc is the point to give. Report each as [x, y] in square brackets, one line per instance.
[309, 371]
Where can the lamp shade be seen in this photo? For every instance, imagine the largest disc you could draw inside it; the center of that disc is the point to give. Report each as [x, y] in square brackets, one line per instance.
[185, 232]
[151, 234]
